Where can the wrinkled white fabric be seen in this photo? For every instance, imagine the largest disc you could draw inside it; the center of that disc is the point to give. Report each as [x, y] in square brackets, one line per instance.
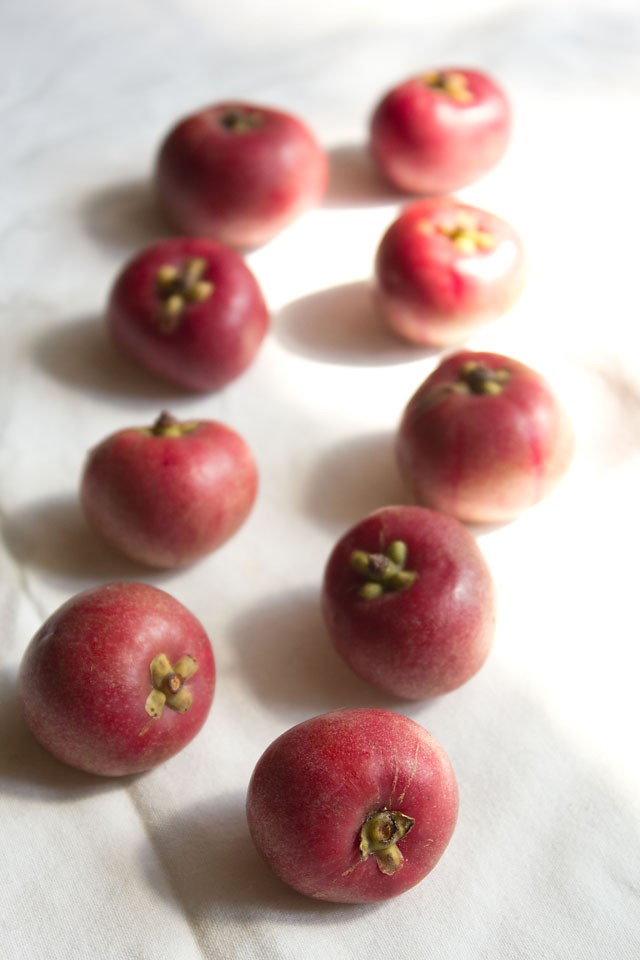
[545, 858]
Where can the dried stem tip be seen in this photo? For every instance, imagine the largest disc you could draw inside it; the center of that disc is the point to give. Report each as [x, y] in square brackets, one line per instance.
[453, 84]
[380, 834]
[383, 572]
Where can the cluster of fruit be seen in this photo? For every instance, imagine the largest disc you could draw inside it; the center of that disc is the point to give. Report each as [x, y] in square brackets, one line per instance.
[354, 805]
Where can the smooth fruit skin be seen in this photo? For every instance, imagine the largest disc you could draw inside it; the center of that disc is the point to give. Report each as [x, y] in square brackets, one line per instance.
[239, 173]
[208, 342]
[167, 499]
[483, 457]
[85, 678]
[436, 281]
[428, 638]
[427, 141]
[313, 788]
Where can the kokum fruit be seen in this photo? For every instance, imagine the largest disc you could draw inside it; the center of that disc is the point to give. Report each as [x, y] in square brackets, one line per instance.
[353, 806]
[239, 173]
[441, 130]
[443, 269]
[118, 679]
[189, 310]
[408, 601]
[168, 494]
[483, 438]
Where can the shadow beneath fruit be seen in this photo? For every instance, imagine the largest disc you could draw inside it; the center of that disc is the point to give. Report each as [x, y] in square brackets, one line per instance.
[27, 769]
[351, 479]
[124, 216]
[80, 354]
[52, 536]
[287, 658]
[355, 181]
[342, 325]
[207, 853]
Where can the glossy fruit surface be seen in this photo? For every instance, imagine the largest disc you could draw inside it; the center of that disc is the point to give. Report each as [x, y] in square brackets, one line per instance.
[188, 309]
[118, 679]
[439, 131]
[353, 806]
[239, 173]
[409, 602]
[483, 438]
[171, 493]
[444, 268]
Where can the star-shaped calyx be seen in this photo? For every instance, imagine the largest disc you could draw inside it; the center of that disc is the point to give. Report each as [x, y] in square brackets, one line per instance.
[383, 572]
[168, 683]
[177, 287]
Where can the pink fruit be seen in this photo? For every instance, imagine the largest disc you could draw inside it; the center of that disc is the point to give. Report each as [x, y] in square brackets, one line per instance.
[118, 679]
[444, 268]
[167, 495]
[408, 601]
[437, 132]
[353, 806]
[483, 438]
[239, 173]
[189, 310]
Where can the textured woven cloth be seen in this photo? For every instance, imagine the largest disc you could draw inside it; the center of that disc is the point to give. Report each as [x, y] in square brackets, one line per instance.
[545, 859]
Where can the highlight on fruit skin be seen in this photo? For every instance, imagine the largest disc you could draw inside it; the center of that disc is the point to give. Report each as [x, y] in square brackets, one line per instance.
[409, 602]
[440, 130]
[483, 438]
[443, 269]
[353, 806]
[118, 679]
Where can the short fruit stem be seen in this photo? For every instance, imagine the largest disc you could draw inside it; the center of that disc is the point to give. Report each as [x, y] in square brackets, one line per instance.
[167, 426]
[451, 83]
[383, 572]
[380, 834]
[240, 120]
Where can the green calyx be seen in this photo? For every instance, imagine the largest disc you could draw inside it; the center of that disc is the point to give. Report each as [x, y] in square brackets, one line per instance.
[167, 426]
[383, 572]
[168, 685]
[451, 83]
[240, 120]
[379, 836]
[475, 377]
[179, 286]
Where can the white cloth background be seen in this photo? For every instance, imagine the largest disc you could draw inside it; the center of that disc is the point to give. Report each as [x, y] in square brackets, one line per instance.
[545, 859]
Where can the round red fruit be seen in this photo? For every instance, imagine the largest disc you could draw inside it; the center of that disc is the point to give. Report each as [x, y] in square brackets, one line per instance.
[171, 493]
[189, 310]
[118, 679]
[483, 438]
[444, 268]
[439, 131]
[239, 173]
[408, 601]
[353, 806]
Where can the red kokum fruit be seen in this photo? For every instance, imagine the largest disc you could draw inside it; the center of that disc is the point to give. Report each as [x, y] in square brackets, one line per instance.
[168, 494]
[483, 438]
[188, 309]
[408, 601]
[118, 679]
[353, 806]
[239, 173]
[439, 131]
[444, 268]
